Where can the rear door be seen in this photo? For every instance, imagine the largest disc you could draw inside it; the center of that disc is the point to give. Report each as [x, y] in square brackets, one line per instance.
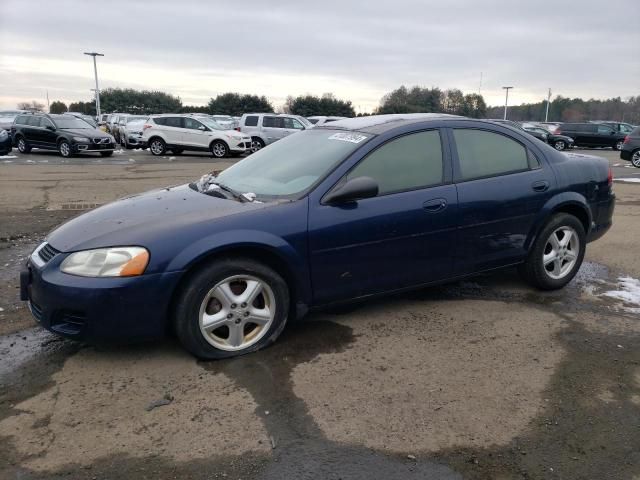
[173, 131]
[291, 125]
[605, 137]
[400, 238]
[48, 133]
[273, 128]
[31, 130]
[501, 186]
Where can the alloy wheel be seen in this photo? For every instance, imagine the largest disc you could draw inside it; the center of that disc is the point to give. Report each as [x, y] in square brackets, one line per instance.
[219, 150]
[635, 159]
[618, 145]
[559, 145]
[156, 147]
[237, 312]
[65, 149]
[561, 252]
[22, 146]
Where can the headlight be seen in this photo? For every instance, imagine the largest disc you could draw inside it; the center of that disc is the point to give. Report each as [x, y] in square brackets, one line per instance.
[81, 139]
[107, 262]
[3, 135]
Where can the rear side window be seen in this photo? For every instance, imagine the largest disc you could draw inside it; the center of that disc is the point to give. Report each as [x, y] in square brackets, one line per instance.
[251, 121]
[405, 163]
[160, 121]
[486, 154]
[174, 122]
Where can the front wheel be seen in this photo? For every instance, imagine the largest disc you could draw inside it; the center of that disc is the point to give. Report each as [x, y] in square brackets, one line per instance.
[231, 307]
[64, 148]
[557, 253]
[157, 146]
[219, 149]
[23, 146]
[618, 145]
[635, 159]
[560, 145]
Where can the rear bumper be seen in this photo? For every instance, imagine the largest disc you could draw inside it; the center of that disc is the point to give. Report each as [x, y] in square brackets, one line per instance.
[98, 309]
[602, 219]
[625, 154]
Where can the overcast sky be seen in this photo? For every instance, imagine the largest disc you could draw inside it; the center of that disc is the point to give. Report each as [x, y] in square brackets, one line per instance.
[357, 50]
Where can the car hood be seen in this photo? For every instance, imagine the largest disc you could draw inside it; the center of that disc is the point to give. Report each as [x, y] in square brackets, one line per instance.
[144, 219]
[85, 132]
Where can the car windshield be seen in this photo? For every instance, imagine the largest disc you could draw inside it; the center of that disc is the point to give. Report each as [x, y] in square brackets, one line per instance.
[289, 167]
[72, 122]
[209, 122]
[306, 122]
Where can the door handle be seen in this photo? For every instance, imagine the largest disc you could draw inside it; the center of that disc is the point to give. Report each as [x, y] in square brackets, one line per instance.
[435, 205]
[541, 186]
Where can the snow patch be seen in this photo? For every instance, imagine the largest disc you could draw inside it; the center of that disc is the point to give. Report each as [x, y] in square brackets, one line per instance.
[627, 180]
[8, 156]
[628, 291]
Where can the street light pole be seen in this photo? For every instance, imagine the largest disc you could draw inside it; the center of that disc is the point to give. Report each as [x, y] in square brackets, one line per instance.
[95, 71]
[506, 100]
[546, 115]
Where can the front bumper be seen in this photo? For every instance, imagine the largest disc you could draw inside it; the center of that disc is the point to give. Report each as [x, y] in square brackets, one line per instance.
[245, 145]
[97, 309]
[92, 147]
[136, 141]
[6, 145]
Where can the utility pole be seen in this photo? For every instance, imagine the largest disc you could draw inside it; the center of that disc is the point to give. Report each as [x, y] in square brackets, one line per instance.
[95, 71]
[480, 86]
[546, 115]
[506, 100]
[48, 106]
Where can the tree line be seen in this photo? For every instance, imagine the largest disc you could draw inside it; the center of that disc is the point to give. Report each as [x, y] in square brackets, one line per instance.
[401, 100]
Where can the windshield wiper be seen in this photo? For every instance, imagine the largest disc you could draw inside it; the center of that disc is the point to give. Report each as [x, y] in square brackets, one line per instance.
[234, 193]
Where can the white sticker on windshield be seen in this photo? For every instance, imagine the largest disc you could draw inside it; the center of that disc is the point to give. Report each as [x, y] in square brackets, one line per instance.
[348, 137]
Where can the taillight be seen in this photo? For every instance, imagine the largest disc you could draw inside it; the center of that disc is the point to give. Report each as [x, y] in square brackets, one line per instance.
[610, 177]
[557, 131]
[146, 125]
[626, 139]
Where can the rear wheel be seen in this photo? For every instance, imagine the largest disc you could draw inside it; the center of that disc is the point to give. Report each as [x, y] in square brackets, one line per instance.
[157, 146]
[635, 159]
[560, 145]
[231, 307]
[64, 147]
[23, 146]
[618, 145]
[557, 253]
[256, 144]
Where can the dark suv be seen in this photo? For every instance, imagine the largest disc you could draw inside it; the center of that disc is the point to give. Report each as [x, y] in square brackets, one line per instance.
[631, 148]
[65, 133]
[592, 135]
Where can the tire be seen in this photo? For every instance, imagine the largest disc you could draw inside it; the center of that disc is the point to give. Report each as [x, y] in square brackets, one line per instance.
[64, 148]
[219, 149]
[556, 274]
[635, 159]
[157, 146]
[618, 145]
[106, 154]
[256, 144]
[202, 296]
[560, 145]
[23, 146]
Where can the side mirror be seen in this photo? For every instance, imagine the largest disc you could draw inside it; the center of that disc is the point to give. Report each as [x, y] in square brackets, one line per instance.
[202, 127]
[352, 190]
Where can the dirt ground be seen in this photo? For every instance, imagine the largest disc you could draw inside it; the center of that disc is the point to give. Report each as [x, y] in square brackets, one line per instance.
[481, 379]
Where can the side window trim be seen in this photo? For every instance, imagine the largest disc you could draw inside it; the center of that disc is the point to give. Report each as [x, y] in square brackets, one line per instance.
[457, 174]
[446, 163]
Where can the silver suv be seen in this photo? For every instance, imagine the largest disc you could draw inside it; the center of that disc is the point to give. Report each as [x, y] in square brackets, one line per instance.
[266, 128]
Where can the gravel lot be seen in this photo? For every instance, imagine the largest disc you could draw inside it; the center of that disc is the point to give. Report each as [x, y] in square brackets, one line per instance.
[479, 379]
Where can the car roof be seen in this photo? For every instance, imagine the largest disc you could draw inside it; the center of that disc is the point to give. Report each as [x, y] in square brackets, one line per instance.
[377, 124]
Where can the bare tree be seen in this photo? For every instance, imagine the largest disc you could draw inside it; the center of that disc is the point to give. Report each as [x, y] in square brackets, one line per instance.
[32, 105]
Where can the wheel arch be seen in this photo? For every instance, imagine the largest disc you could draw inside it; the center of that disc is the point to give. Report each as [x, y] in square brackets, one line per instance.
[221, 141]
[572, 203]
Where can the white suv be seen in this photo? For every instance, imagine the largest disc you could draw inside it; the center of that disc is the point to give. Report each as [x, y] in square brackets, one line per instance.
[177, 133]
[266, 128]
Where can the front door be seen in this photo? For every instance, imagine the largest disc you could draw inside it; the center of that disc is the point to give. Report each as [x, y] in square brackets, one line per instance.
[402, 237]
[194, 133]
[501, 186]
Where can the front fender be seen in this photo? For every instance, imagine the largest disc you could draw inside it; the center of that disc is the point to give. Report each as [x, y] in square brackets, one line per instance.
[238, 239]
[564, 199]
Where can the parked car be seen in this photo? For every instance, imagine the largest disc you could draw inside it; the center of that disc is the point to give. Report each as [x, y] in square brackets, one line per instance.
[559, 142]
[112, 124]
[7, 117]
[620, 127]
[119, 125]
[591, 135]
[65, 133]
[225, 121]
[321, 120]
[6, 143]
[631, 148]
[266, 128]
[179, 132]
[350, 210]
[131, 132]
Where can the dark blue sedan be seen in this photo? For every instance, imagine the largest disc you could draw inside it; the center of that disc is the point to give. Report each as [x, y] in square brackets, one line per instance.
[358, 208]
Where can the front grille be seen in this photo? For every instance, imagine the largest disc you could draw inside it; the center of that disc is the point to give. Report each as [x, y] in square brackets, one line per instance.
[101, 140]
[47, 252]
[36, 311]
